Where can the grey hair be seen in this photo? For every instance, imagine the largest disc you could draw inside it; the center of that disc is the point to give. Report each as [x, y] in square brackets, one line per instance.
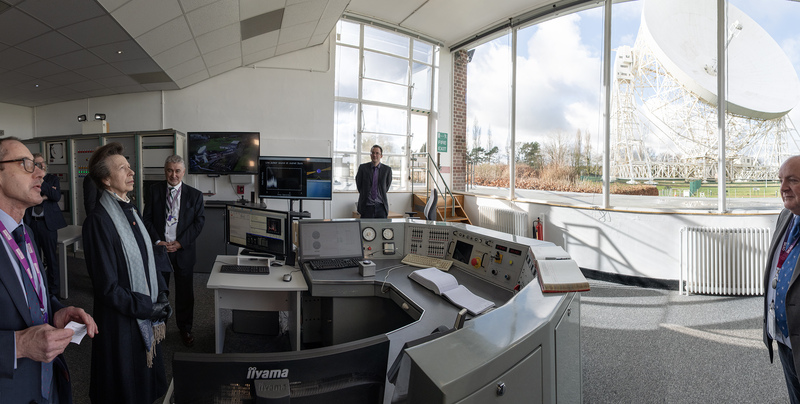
[35, 155]
[174, 159]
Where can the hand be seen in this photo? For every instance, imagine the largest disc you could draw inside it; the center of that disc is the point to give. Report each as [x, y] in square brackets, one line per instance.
[174, 246]
[78, 315]
[162, 311]
[42, 343]
[163, 297]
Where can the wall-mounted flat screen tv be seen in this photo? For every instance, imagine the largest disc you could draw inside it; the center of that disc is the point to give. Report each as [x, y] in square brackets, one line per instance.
[223, 152]
[295, 177]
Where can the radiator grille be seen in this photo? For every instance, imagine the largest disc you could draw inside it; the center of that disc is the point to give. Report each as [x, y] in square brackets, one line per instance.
[505, 220]
[719, 261]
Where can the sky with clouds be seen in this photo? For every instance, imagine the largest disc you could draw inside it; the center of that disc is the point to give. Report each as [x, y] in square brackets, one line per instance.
[559, 70]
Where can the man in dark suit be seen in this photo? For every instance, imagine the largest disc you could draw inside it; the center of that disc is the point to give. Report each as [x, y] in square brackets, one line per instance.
[45, 219]
[782, 297]
[32, 333]
[373, 180]
[174, 216]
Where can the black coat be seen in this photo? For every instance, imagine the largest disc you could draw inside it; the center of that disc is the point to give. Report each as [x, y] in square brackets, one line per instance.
[190, 220]
[119, 371]
[364, 184]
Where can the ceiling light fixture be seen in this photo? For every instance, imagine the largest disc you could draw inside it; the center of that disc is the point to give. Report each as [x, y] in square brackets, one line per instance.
[99, 117]
[82, 118]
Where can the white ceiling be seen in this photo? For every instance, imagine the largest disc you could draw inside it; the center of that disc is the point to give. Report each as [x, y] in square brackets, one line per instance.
[60, 50]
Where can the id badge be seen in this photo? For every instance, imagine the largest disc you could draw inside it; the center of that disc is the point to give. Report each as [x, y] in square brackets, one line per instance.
[771, 321]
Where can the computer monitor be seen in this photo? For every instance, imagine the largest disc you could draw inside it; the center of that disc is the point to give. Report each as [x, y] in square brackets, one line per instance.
[295, 177]
[329, 239]
[218, 153]
[258, 230]
[353, 372]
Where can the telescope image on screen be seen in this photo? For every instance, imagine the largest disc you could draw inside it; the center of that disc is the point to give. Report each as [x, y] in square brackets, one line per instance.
[223, 152]
[295, 177]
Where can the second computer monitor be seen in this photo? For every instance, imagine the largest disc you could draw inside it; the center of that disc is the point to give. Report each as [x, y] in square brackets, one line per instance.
[258, 230]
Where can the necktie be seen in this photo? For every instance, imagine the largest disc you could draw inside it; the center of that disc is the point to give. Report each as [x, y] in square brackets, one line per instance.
[784, 277]
[373, 192]
[37, 315]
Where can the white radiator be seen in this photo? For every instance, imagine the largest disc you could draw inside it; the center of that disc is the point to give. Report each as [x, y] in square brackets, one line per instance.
[505, 220]
[719, 261]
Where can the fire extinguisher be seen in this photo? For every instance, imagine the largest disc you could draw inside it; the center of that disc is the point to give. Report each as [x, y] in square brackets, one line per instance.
[538, 229]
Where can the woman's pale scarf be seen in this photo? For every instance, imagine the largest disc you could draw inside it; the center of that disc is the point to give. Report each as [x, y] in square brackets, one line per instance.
[152, 332]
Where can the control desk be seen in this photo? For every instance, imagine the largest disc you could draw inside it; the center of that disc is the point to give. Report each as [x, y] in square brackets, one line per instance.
[506, 354]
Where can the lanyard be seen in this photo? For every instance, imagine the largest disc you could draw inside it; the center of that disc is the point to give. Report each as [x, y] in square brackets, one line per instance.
[34, 276]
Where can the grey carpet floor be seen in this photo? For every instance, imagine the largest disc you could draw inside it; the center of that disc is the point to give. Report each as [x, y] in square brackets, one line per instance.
[637, 345]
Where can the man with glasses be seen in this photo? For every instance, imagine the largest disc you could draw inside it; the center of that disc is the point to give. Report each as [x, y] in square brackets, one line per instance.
[373, 180]
[45, 219]
[32, 333]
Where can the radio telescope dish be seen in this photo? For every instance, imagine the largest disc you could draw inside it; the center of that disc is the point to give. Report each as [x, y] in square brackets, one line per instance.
[682, 35]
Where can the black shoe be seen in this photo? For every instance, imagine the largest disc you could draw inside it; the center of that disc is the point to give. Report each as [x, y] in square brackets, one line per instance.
[187, 338]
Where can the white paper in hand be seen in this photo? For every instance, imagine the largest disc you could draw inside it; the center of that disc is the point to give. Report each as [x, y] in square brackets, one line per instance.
[80, 331]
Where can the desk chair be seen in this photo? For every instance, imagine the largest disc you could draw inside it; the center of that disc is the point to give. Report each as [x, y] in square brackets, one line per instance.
[430, 207]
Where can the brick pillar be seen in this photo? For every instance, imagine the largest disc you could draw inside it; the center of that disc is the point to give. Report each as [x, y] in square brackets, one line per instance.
[459, 135]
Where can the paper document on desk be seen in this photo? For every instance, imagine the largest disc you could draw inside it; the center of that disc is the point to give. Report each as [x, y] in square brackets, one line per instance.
[446, 285]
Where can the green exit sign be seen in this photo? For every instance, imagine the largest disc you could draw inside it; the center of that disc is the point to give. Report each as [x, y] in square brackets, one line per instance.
[441, 142]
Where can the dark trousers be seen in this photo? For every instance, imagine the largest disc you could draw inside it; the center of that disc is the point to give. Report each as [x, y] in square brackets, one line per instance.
[47, 241]
[375, 211]
[184, 293]
[789, 373]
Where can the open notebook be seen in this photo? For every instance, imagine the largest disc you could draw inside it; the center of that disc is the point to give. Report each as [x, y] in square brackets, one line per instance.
[446, 285]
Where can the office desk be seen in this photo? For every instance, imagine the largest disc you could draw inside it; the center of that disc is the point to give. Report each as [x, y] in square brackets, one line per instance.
[256, 292]
[66, 237]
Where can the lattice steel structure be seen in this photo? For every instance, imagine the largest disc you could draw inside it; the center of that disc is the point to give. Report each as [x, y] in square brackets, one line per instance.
[662, 129]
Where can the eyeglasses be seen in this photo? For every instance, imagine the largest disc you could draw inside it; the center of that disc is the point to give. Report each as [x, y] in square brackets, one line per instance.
[27, 164]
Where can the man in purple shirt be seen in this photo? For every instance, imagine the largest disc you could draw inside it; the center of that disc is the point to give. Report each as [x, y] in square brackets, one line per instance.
[373, 180]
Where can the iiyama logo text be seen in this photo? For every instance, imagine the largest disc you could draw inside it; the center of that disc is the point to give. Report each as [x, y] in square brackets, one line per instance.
[254, 373]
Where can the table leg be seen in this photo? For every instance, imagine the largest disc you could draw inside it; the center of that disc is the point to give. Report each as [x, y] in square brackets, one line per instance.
[219, 332]
[63, 291]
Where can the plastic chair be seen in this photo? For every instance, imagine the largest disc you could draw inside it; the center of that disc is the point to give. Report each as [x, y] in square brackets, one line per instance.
[430, 207]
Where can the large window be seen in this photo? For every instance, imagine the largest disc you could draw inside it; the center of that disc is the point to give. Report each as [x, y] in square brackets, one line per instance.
[663, 119]
[384, 95]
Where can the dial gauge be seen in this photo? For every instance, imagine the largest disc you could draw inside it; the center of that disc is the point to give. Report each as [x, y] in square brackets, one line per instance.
[388, 234]
[368, 234]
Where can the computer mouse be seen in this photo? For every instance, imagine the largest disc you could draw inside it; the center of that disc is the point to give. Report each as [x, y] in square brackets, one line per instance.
[276, 264]
[287, 278]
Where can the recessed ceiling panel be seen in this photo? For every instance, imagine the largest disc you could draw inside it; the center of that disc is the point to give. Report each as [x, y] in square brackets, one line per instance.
[262, 24]
[252, 8]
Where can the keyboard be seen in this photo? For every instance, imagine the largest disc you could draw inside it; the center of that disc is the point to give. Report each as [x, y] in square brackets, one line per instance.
[422, 261]
[245, 269]
[333, 263]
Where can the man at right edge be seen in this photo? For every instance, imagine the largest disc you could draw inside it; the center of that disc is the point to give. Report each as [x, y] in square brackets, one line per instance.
[782, 297]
